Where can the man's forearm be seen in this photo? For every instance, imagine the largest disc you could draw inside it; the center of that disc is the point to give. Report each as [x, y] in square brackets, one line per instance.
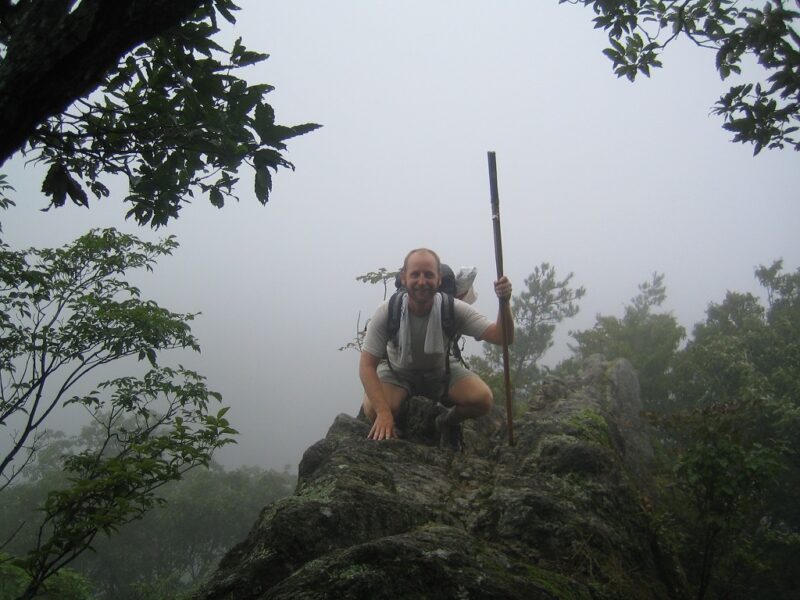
[373, 388]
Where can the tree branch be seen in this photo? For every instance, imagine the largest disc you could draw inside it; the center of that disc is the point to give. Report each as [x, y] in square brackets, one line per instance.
[54, 57]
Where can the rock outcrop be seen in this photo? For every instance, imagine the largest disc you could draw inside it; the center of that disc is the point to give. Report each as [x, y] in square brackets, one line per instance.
[561, 514]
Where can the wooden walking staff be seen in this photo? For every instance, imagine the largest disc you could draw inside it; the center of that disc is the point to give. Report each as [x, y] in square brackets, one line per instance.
[498, 255]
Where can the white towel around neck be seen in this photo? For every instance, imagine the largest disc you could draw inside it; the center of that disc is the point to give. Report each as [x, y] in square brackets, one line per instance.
[434, 338]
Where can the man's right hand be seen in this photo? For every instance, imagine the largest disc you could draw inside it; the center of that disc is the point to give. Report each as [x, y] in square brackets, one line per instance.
[382, 427]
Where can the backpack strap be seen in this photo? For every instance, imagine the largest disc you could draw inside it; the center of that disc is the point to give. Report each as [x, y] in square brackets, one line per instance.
[450, 330]
[395, 308]
[448, 315]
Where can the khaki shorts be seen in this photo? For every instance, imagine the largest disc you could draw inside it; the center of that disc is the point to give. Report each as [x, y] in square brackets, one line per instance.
[428, 383]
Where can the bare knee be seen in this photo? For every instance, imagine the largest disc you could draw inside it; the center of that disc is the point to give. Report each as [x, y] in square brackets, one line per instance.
[472, 397]
[483, 400]
[394, 397]
[486, 400]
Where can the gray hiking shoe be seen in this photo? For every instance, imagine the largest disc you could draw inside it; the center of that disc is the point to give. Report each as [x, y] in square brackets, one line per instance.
[450, 434]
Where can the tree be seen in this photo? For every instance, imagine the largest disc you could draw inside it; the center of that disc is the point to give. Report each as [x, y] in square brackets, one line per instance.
[382, 276]
[743, 346]
[720, 361]
[726, 463]
[204, 514]
[66, 585]
[139, 89]
[783, 319]
[733, 441]
[537, 310]
[94, 90]
[65, 314]
[647, 339]
[765, 115]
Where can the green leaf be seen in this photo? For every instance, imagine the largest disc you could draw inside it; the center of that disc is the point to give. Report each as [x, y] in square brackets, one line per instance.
[58, 184]
[302, 129]
[615, 56]
[216, 198]
[263, 185]
[248, 57]
[227, 15]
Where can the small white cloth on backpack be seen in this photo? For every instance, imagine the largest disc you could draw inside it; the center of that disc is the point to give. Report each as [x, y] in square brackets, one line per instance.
[464, 280]
[434, 338]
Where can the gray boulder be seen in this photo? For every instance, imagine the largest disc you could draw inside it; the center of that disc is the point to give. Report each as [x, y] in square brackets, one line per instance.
[561, 514]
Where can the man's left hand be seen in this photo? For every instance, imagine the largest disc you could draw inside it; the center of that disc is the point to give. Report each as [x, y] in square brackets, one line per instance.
[502, 287]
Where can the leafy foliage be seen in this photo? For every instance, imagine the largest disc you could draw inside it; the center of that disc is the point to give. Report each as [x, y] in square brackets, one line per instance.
[382, 276]
[743, 348]
[66, 585]
[721, 361]
[647, 339]
[766, 115]
[172, 117]
[66, 313]
[203, 515]
[725, 469]
[5, 201]
[783, 318]
[545, 303]
[733, 442]
[69, 310]
[93, 92]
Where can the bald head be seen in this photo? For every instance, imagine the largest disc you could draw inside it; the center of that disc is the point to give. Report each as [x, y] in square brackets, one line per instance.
[421, 251]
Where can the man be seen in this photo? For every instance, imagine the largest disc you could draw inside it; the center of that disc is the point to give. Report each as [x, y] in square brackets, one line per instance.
[416, 358]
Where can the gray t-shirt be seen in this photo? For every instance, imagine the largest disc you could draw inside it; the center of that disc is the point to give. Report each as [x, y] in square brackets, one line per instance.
[468, 322]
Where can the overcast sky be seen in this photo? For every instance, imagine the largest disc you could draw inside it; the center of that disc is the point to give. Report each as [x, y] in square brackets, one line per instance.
[606, 179]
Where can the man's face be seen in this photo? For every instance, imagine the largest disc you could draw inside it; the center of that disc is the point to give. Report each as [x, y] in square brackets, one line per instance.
[421, 277]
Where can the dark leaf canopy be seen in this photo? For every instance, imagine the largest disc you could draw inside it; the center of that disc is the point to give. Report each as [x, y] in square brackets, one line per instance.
[766, 114]
[138, 89]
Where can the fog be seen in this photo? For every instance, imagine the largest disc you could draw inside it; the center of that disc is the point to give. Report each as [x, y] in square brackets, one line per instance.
[600, 177]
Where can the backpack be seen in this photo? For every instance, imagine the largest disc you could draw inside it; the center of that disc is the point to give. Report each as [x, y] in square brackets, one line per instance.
[447, 288]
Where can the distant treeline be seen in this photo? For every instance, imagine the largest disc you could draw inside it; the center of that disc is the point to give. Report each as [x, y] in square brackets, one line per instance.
[162, 555]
